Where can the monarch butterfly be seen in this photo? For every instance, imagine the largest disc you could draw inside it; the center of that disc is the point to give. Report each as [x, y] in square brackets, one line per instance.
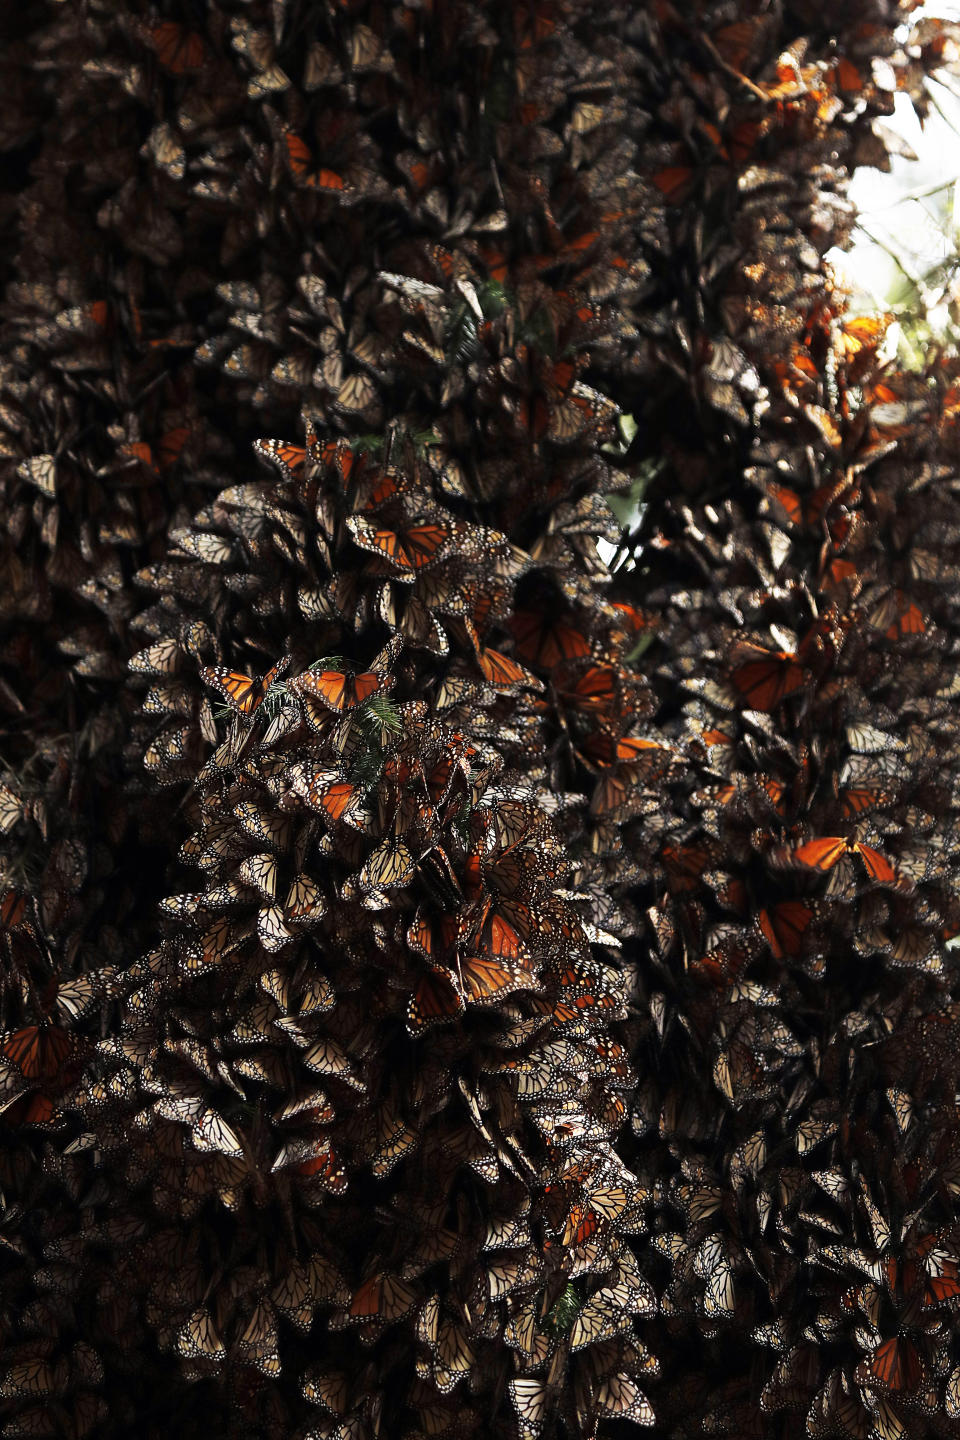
[178, 50]
[531, 1399]
[686, 865]
[675, 183]
[242, 693]
[73, 998]
[895, 1365]
[436, 1001]
[433, 937]
[394, 1140]
[38, 1051]
[506, 872]
[719, 1296]
[328, 1388]
[454, 1356]
[619, 1397]
[327, 1057]
[593, 691]
[171, 445]
[409, 549]
[162, 658]
[272, 932]
[339, 690]
[260, 872]
[258, 1341]
[391, 864]
[941, 1289]
[498, 927]
[12, 809]
[367, 50]
[897, 616]
[536, 1075]
[323, 1168]
[40, 470]
[766, 677]
[784, 926]
[304, 902]
[823, 854]
[36, 1109]
[212, 1133]
[288, 458]
[293, 1296]
[198, 1338]
[166, 150]
[381, 1298]
[271, 830]
[868, 794]
[268, 81]
[356, 395]
[484, 980]
[34, 1376]
[302, 168]
[503, 673]
[543, 640]
[885, 1422]
[646, 758]
[214, 945]
[346, 802]
[951, 1395]
[441, 880]
[601, 1318]
[13, 905]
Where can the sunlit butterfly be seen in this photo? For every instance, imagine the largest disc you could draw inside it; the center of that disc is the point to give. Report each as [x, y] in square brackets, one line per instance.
[243, 693]
[824, 852]
[340, 690]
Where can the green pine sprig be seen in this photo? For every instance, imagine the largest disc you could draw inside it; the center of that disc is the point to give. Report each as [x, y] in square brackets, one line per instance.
[559, 1319]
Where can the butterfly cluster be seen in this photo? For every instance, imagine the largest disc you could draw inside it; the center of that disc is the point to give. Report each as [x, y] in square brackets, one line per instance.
[796, 547]
[455, 982]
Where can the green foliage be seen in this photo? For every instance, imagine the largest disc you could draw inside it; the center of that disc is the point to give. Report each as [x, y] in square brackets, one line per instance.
[560, 1318]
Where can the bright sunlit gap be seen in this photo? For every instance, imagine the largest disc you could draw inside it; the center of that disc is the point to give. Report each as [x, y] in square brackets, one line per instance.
[906, 242]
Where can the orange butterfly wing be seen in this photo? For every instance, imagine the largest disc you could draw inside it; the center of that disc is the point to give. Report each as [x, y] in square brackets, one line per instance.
[241, 691]
[365, 685]
[822, 853]
[178, 50]
[421, 543]
[783, 926]
[896, 1365]
[764, 683]
[330, 686]
[485, 979]
[877, 865]
[301, 162]
[500, 670]
[434, 1002]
